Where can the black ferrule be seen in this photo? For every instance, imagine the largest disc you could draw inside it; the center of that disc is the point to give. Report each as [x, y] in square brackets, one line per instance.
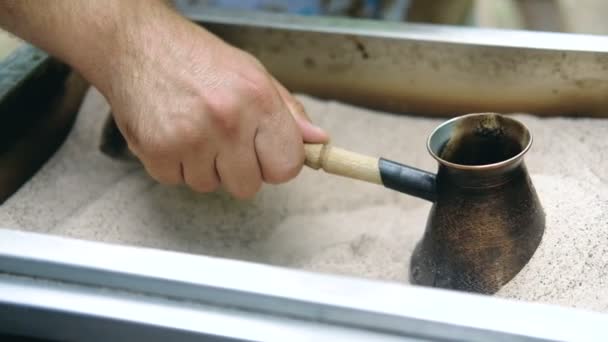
[407, 179]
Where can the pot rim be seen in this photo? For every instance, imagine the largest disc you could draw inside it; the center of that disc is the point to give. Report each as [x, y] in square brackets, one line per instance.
[492, 166]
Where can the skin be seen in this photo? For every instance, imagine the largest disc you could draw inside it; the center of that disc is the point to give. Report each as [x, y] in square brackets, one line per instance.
[192, 108]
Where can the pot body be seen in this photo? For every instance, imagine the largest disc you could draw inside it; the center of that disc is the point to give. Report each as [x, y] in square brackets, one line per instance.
[482, 230]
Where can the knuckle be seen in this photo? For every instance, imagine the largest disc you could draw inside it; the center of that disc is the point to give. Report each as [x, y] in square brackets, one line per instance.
[224, 113]
[227, 121]
[185, 131]
[178, 134]
[255, 84]
[259, 91]
[286, 170]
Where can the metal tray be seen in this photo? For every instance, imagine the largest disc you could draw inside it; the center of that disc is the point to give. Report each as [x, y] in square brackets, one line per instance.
[65, 289]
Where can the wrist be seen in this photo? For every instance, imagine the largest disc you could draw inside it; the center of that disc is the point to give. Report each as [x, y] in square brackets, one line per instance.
[117, 46]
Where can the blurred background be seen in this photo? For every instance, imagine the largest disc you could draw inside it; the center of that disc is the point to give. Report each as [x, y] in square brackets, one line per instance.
[578, 16]
[574, 16]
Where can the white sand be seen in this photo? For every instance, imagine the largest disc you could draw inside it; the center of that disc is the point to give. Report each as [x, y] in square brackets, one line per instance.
[327, 223]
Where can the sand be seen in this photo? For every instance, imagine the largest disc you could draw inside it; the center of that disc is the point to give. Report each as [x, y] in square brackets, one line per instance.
[326, 223]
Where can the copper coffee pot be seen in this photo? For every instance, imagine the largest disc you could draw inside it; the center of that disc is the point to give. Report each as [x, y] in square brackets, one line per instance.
[486, 221]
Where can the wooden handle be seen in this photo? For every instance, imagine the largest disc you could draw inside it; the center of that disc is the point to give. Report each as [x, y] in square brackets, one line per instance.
[342, 162]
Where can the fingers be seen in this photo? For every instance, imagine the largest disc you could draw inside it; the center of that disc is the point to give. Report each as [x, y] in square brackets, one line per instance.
[239, 171]
[236, 139]
[200, 171]
[310, 132]
[262, 144]
[279, 145]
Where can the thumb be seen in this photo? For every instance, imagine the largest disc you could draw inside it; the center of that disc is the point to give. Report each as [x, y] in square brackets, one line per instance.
[310, 132]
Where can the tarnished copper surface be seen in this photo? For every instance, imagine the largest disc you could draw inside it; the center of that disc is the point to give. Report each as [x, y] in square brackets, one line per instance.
[487, 220]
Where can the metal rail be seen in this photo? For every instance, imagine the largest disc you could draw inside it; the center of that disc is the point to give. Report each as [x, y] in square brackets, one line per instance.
[105, 291]
[423, 69]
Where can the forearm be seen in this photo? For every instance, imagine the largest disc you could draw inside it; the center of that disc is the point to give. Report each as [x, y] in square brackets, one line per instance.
[85, 34]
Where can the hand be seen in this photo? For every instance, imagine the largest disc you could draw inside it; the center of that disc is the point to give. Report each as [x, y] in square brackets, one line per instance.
[197, 111]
